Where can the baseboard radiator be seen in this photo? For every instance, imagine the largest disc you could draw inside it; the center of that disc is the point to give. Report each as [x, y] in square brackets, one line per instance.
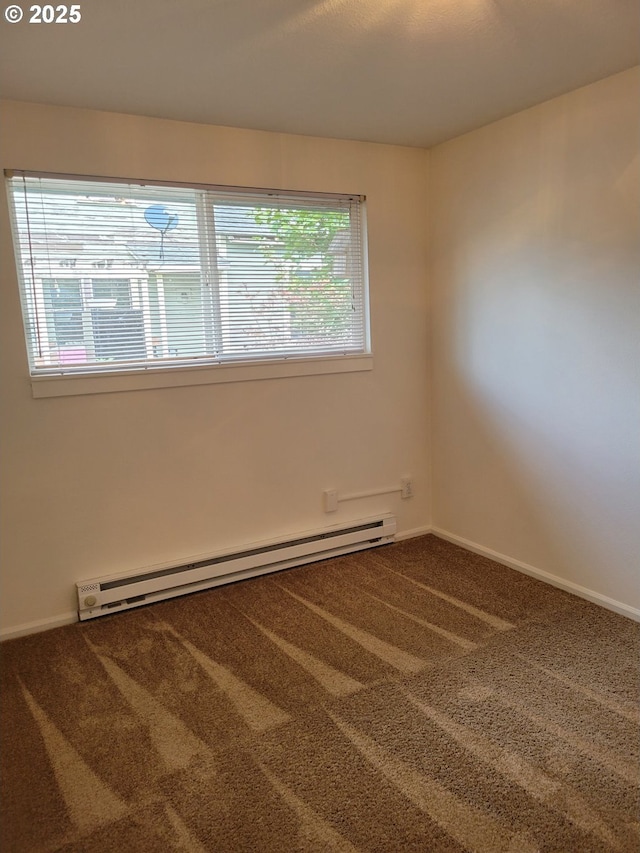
[100, 596]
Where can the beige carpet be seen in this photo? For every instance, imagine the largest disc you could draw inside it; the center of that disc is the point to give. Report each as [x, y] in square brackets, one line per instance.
[410, 698]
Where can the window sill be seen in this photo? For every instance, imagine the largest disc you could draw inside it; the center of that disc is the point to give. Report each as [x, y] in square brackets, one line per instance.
[142, 380]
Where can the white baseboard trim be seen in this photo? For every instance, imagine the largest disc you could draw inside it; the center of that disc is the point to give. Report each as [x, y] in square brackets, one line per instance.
[411, 534]
[547, 577]
[38, 625]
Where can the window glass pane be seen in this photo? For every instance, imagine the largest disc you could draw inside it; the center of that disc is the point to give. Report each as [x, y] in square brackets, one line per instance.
[285, 281]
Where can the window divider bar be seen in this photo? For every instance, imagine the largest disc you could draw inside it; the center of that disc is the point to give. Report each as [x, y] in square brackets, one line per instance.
[205, 218]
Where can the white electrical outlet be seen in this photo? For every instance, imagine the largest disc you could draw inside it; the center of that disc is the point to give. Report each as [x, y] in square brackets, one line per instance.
[330, 500]
[407, 487]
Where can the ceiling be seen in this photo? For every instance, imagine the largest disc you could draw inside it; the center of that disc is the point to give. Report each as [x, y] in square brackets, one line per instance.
[411, 72]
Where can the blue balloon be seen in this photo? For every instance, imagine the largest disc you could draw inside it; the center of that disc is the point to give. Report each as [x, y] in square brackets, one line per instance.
[160, 218]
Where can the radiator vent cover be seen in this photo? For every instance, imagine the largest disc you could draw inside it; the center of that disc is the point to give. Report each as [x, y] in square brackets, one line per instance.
[99, 596]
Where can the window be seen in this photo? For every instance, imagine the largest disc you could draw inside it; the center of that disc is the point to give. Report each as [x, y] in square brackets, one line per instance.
[119, 277]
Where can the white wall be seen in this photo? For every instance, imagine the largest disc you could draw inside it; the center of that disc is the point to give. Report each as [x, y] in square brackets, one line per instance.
[109, 482]
[536, 338]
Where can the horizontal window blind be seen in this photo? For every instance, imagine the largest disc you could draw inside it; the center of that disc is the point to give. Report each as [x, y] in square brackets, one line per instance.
[119, 276]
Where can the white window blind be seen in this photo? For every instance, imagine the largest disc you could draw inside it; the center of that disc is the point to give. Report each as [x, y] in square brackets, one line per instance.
[120, 276]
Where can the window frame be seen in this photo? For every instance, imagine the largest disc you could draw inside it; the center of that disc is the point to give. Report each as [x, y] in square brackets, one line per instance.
[210, 370]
